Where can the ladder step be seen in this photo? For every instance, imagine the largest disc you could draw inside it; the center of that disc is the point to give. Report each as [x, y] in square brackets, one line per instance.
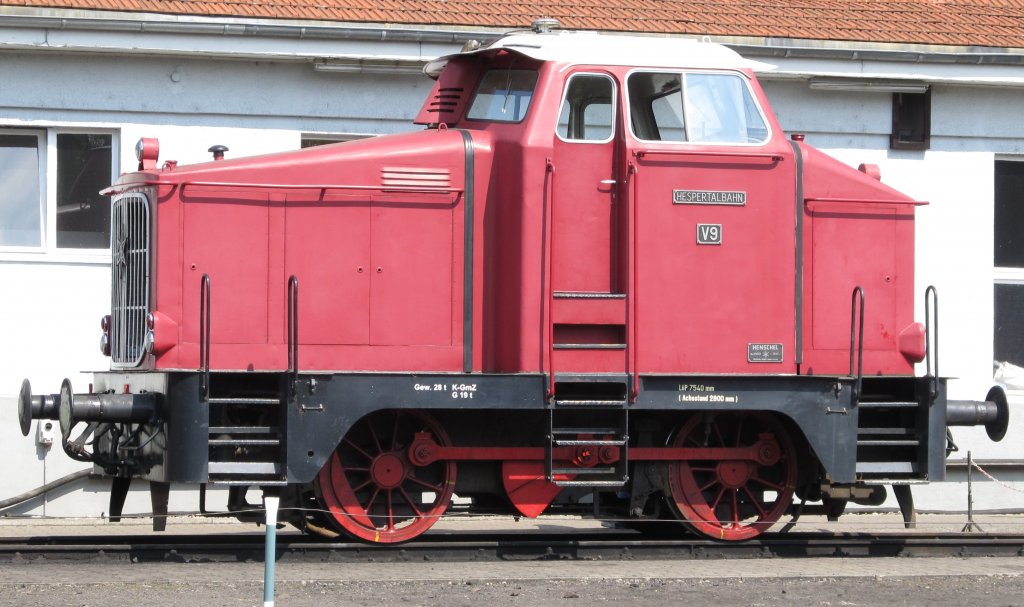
[887, 405]
[589, 483]
[255, 482]
[574, 431]
[888, 443]
[244, 442]
[243, 430]
[885, 431]
[609, 470]
[590, 346]
[886, 467]
[582, 443]
[243, 468]
[245, 401]
[588, 295]
[590, 403]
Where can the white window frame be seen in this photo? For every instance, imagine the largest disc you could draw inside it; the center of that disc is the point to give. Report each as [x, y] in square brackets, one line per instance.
[48, 250]
[614, 108]
[686, 109]
[1002, 275]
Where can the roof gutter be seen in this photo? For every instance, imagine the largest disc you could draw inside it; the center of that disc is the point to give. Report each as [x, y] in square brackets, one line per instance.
[226, 26]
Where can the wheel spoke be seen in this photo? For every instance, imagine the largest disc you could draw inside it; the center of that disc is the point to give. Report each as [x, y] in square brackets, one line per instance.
[718, 498]
[718, 432]
[391, 513]
[394, 433]
[736, 506]
[775, 486]
[739, 430]
[361, 485]
[359, 450]
[373, 433]
[711, 483]
[436, 488]
[412, 504]
[373, 498]
[757, 503]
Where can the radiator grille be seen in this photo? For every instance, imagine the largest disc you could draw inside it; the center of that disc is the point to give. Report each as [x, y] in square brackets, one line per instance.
[129, 279]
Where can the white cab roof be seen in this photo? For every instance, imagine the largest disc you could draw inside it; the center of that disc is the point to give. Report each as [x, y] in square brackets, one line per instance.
[611, 49]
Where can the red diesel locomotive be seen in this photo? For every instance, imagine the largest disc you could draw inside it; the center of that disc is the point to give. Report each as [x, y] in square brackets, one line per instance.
[600, 280]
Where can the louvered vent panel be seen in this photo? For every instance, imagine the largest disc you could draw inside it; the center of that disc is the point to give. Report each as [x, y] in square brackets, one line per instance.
[415, 177]
[445, 101]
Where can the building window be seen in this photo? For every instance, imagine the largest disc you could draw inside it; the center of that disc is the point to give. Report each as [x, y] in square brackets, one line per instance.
[83, 169]
[21, 185]
[911, 121]
[1009, 261]
[311, 140]
[49, 189]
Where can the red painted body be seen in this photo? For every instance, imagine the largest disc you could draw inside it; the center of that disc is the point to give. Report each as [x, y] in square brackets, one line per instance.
[374, 231]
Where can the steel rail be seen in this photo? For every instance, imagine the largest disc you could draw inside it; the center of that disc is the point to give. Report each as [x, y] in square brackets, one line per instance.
[487, 546]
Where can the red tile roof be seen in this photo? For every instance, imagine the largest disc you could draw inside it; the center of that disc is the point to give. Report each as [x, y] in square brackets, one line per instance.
[991, 23]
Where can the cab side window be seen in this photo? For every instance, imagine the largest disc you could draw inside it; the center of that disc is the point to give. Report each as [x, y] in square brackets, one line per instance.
[698, 108]
[656, 106]
[588, 109]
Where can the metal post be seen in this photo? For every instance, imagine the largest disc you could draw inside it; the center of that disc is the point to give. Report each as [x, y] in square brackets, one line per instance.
[971, 525]
[270, 503]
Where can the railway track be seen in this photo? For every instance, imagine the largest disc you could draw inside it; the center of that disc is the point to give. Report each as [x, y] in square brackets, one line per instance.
[489, 546]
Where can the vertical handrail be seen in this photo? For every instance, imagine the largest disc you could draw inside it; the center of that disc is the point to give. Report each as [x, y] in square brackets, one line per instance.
[293, 334]
[204, 337]
[633, 234]
[857, 338]
[931, 324]
[549, 243]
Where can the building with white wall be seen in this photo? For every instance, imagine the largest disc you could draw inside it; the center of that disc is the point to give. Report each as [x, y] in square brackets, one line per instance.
[79, 87]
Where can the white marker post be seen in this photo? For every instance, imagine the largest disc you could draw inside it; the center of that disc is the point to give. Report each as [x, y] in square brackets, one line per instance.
[270, 503]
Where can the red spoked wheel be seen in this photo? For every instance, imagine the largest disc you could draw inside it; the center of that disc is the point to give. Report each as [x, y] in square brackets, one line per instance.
[734, 499]
[373, 490]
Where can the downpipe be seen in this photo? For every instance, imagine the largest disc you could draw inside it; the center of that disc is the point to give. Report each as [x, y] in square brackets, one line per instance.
[993, 413]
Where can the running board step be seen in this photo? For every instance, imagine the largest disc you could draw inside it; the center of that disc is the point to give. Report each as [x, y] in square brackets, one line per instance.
[260, 402]
[256, 482]
[887, 405]
[590, 483]
[584, 443]
[243, 430]
[590, 346]
[584, 471]
[244, 468]
[588, 295]
[574, 431]
[589, 403]
[244, 442]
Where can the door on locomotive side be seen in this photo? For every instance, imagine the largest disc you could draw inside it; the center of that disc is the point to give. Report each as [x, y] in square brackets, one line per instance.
[585, 247]
[713, 218]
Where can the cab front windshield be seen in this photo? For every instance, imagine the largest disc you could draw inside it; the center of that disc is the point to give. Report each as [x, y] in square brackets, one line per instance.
[503, 95]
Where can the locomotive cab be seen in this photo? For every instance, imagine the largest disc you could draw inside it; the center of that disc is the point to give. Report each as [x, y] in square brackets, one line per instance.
[602, 279]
